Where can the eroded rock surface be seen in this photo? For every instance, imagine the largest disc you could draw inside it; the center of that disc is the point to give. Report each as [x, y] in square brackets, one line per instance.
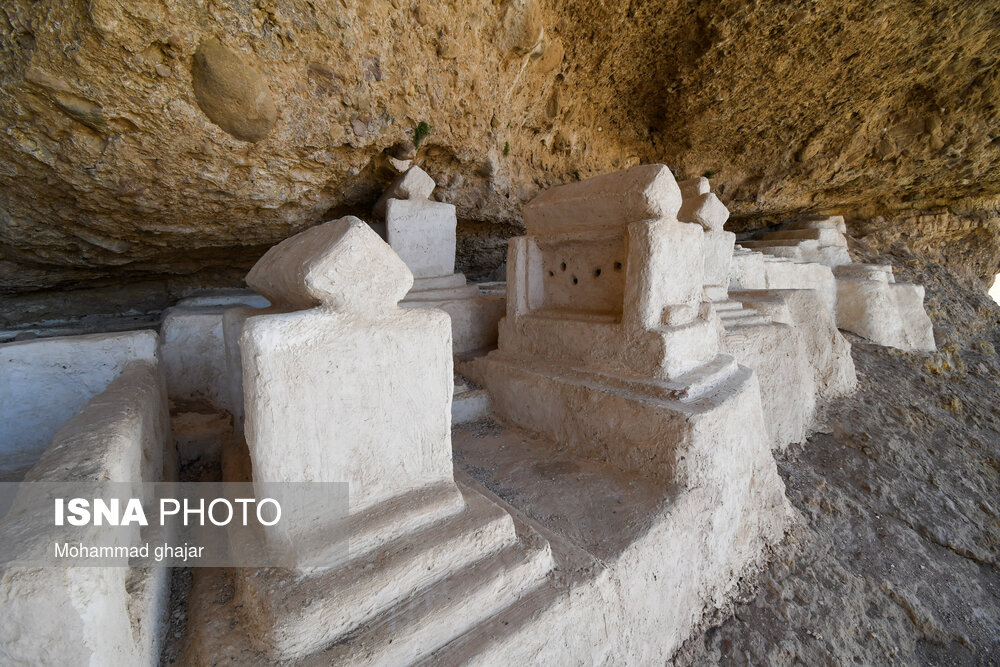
[113, 164]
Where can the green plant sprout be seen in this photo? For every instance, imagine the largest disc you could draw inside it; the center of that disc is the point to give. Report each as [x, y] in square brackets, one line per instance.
[420, 132]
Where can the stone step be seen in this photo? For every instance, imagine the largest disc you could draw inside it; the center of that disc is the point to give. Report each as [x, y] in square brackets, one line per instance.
[716, 293]
[442, 294]
[726, 306]
[688, 386]
[880, 272]
[403, 515]
[705, 378]
[740, 317]
[463, 649]
[451, 608]
[777, 243]
[733, 315]
[438, 282]
[751, 321]
[296, 615]
[795, 253]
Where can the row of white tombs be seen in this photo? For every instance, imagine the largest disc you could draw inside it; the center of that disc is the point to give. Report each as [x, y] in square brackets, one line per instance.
[638, 368]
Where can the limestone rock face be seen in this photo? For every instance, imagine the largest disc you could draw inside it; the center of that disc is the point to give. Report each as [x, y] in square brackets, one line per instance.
[168, 138]
[232, 94]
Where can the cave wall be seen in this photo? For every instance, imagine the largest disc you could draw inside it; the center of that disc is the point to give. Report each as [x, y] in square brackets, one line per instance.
[161, 138]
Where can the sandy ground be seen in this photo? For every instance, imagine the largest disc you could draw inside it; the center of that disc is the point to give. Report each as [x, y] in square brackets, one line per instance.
[896, 556]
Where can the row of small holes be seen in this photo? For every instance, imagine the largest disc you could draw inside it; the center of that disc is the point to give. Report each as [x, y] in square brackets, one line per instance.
[597, 271]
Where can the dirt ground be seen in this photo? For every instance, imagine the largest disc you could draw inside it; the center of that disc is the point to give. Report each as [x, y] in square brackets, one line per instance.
[896, 557]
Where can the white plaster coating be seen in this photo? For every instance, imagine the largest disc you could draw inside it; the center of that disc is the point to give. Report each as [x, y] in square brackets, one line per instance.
[329, 264]
[777, 354]
[718, 257]
[474, 318]
[828, 352]
[705, 210]
[385, 430]
[449, 281]
[95, 615]
[469, 405]
[878, 272]
[643, 192]
[423, 234]
[232, 327]
[626, 373]
[785, 274]
[885, 313]
[651, 589]
[728, 505]
[807, 239]
[701, 207]
[648, 409]
[775, 351]
[461, 570]
[693, 187]
[444, 294]
[652, 399]
[666, 266]
[663, 270]
[194, 353]
[414, 183]
[44, 382]
[746, 269]
[363, 395]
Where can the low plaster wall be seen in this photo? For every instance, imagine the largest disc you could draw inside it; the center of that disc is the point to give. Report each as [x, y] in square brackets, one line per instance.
[95, 615]
[890, 314]
[194, 353]
[802, 275]
[44, 382]
[777, 354]
[192, 344]
[474, 322]
[828, 352]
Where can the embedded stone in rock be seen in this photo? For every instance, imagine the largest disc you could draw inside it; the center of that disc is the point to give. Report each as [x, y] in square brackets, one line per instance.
[645, 192]
[525, 26]
[706, 210]
[342, 264]
[415, 183]
[232, 94]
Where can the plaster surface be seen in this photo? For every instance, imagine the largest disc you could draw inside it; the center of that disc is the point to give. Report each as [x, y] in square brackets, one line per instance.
[95, 615]
[422, 233]
[44, 382]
